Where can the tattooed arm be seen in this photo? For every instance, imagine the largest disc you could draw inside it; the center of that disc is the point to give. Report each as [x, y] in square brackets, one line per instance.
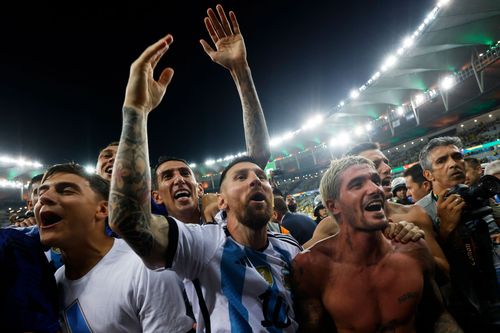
[129, 202]
[231, 54]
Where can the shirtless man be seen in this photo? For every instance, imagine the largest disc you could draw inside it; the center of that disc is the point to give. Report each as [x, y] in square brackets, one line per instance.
[395, 212]
[357, 280]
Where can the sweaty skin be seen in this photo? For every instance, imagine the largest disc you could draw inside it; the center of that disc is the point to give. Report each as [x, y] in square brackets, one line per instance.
[395, 213]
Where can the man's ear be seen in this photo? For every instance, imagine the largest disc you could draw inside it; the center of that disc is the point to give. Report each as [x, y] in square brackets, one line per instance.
[428, 175]
[156, 197]
[221, 201]
[427, 185]
[201, 191]
[102, 210]
[332, 207]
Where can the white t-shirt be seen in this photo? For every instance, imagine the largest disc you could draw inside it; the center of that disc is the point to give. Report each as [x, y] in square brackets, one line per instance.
[120, 294]
[243, 290]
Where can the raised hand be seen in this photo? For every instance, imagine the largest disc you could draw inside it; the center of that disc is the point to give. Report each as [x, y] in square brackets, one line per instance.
[229, 44]
[143, 92]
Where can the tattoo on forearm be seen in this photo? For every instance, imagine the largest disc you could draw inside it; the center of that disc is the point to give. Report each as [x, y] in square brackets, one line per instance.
[129, 200]
[254, 123]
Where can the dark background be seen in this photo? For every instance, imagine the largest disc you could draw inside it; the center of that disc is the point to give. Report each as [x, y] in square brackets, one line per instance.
[64, 67]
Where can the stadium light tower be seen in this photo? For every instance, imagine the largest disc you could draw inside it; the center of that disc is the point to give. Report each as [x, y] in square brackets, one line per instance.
[354, 93]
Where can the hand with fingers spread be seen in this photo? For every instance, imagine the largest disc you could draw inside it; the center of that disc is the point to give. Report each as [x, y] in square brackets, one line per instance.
[449, 211]
[403, 232]
[230, 48]
[143, 92]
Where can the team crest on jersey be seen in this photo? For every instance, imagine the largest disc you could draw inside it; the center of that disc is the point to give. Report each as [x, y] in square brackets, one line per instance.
[265, 273]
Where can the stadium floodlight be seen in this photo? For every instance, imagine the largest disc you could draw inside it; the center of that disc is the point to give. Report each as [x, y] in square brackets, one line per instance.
[368, 127]
[90, 169]
[4, 183]
[400, 110]
[441, 3]
[275, 141]
[358, 131]
[389, 62]
[408, 42]
[288, 135]
[192, 165]
[419, 99]
[312, 122]
[481, 54]
[343, 139]
[354, 93]
[219, 160]
[209, 162]
[400, 51]
[447, 83]
[341, 103]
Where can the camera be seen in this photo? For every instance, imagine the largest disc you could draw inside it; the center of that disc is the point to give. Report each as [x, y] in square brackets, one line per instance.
[476, 197]
[25, 215]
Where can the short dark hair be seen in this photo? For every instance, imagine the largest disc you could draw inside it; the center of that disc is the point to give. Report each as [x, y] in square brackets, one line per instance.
[361, 147]
[98, 184]
[114, 143]
[35, 179]
[164, 159]
[473, 162]
[280, 205]
[416, 173]
[237, 160]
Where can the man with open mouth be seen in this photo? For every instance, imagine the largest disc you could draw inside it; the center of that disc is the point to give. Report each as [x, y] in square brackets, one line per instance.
[395, 212]
[103, 285]
[357, 280]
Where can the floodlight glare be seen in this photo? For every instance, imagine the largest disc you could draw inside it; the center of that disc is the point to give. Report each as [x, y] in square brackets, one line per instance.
[389, 62]
[368, 127]
[312, 122]
[358, 131]
[354, 93]
[343, 139]
[342, 103]
[441, 3]
[419, 99]
[408, 42]
[89, 169]
[400, 110]
[192, 165]
[209, 162]
[275, 141]
[447, 83]
[288, 135]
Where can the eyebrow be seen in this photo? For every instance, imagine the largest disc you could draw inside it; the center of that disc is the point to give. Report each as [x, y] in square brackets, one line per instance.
[60, 185]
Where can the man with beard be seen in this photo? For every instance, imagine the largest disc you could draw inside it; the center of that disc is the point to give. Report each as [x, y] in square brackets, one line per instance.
[473, 171]
[395, 212]
[241, 271]
[358, 271]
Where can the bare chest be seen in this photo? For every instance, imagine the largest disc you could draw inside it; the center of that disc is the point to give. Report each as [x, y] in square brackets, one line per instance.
[376, 298]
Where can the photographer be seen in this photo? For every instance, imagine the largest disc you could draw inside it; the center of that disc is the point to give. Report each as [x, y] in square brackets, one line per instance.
[463, 232]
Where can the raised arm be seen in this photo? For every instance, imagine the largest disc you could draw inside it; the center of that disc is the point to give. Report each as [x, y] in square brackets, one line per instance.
[129, 203]
[230, 52]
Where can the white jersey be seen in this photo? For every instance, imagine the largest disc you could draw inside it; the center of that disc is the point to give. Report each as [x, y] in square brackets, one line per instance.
[120, 294]
[242, 290]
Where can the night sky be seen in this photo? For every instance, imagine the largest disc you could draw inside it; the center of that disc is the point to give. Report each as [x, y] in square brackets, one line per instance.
[64, 67]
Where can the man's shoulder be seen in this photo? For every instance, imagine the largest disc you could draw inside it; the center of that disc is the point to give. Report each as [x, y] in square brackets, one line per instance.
[417, 251]
[280, 240]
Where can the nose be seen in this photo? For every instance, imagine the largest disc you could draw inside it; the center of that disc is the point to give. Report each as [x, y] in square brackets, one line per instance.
[178, 179]
[255, 180]
[385, 169]
[46, 198]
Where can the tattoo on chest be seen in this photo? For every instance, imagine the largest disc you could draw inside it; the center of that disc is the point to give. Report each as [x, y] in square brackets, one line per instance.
[407, 297]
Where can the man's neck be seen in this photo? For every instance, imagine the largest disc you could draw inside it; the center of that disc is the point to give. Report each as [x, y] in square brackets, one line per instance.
[254, 239]
[80, 258]
[361, 247]
[188, 216]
